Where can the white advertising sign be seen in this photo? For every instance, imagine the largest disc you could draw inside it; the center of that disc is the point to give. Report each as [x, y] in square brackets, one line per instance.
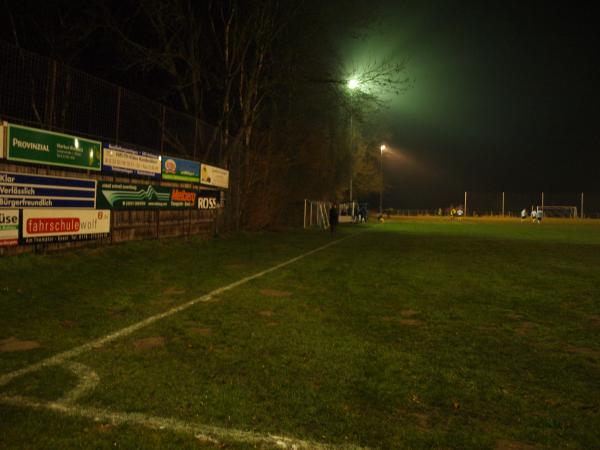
[118, 159]
[60, 225]
[9, 227]
[214, 176]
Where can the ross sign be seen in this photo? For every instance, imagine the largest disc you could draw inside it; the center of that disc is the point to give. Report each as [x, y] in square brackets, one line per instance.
[214, 176]
[180, 169]
[132, 162]
[63, 225]
[208, 199]
[56, 149]
[20, 190]
[138, 196]
[9, 227]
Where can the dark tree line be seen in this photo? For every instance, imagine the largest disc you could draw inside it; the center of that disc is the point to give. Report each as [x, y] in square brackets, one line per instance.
[266, 74]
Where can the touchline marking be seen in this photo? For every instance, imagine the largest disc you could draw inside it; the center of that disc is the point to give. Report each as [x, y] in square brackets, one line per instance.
[206, 433]
[97, 343]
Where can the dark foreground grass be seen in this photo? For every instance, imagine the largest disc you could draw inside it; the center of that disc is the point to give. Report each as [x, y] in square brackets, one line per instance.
[408, 335]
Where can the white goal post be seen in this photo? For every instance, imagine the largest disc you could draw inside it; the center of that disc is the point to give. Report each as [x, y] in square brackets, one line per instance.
[561, 211]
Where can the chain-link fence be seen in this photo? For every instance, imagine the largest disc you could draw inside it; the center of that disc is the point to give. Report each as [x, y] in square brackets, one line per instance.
[43, 93]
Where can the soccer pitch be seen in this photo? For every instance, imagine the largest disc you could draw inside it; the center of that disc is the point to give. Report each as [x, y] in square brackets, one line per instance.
[408, 334]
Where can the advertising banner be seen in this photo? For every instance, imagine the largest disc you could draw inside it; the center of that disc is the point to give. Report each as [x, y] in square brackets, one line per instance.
[209, 199]
[9, 227]
[214, 176]
[20, 190]
[63, 225]
[46, 147]
[131, 162]
[143, 196]
[180, 170]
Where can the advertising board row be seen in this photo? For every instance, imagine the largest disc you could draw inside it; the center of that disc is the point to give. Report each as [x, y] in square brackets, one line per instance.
[35, 226]
[20, 190]
[25, 144]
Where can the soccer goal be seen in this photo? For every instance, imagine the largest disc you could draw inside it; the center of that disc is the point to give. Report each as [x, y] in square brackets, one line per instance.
[565, 212]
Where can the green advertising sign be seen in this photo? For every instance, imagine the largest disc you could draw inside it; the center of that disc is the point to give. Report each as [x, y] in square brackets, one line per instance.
[144, 196]
[46, 147]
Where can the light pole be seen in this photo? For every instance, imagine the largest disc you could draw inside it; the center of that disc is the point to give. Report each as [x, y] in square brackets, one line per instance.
[382, 148]
[353, 84]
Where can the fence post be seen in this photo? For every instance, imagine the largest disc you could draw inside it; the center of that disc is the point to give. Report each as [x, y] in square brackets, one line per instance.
[581, 212]
[162, 130]
[465, 203]
[305, 214]
[118, 114]
[195, 137]
[311, 214]
[542, 201]
[51, 94]
[502, 204]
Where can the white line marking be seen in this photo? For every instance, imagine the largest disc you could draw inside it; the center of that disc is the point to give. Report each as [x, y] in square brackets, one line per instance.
[88, 380]
[206, 433]
[97, 343]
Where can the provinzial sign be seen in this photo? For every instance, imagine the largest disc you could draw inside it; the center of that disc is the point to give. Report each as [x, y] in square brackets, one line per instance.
[20, 190]
[9, 227]
[177, 169]
[214, 176]
[131, 162]
[144, 196]
[64, 225]
[56, 149]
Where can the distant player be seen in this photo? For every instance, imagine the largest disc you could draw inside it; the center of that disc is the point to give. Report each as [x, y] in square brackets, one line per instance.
[452, 214]
[460, 214]
[533, 215]
[523, 214]
[539, 215]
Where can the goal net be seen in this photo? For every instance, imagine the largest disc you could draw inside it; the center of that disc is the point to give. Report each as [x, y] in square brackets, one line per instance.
[566, 212]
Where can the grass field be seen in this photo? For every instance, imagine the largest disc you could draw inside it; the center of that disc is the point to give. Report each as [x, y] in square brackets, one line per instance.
[409, 334]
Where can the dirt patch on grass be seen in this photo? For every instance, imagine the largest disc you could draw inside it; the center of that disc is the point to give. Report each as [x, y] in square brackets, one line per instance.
[505, 444]
[589, 352]
[593, 320]
[525, 328]
[68, 324]
[410, 322]
[408, 313]
[173, 290]
[104, 427]
[150, 342]
[401, 321]
[275, 293]
[272, 323]
[514, 316]
[13, 344]
[266, 313]
[202, 331]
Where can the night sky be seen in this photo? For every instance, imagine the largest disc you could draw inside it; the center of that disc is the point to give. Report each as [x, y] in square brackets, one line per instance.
[505, 98]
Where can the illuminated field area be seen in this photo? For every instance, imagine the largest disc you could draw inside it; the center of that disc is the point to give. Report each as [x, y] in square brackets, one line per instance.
[408, 334]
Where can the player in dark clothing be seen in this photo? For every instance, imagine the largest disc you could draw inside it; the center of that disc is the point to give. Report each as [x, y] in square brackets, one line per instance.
[333, 217]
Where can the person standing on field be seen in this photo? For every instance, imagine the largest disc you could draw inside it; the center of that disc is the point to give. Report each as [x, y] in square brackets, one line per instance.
[539, 215]
[333, 217]
[523, 214]
[533, 214]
